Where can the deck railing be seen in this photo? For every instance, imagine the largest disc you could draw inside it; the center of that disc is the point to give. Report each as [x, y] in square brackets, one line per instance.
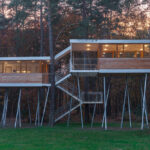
[24, 78]
[110, 63]
[84, 64]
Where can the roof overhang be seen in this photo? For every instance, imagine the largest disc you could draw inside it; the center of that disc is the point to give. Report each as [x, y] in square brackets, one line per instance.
[105, 41]
[44, 58]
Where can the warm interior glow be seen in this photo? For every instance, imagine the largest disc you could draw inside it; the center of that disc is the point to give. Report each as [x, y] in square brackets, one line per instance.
[88, 45]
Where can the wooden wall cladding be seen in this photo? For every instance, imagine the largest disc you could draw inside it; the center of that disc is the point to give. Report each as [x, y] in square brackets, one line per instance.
[22, 78]
[124, 63]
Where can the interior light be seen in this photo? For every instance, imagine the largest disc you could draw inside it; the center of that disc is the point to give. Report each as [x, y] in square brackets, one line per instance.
[106, 45]
[33, 61]
[48, 61]
[141, 49]
[18, 61]
[105, 49]
[88, 45]
[104, 53]
[88, 49]
[126, 45]
[146, 45]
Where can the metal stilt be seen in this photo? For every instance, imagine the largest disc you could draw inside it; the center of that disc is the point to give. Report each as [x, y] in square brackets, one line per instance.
[93, 115]
[105, 107]
[145, 111]
[126, 96]
[18, 114]
[106, 104]
[129, 109]
[37, 120]
[3, 120]
[69, 114]
[80, 102]
[144, 102]
[45, 106]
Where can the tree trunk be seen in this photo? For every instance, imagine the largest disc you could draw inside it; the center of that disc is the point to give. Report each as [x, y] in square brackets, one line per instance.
[41, 26]
[52, 69]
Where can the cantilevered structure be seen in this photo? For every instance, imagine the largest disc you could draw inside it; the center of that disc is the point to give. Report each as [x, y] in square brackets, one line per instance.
[102, 59]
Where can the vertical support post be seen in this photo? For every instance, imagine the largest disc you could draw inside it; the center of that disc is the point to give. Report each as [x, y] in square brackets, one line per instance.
[18, 114]
[106, 104]
[124, 102]
[37, 120]
[45, 106]
[93, 115]
[126, 96]
[144, 102]
[129, 108]
[78, 81]
[68, 121]
[3, 120]
[146, 115]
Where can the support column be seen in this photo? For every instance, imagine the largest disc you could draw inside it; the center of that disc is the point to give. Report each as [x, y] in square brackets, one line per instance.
[4, 114]
[45, 106]
[68, 121]
[18, 114]
[146, 114]
[105, 111]
[106, 104]
[37, 119]
[126, 96]
[144, 102]
[93, 115]
[79, 94]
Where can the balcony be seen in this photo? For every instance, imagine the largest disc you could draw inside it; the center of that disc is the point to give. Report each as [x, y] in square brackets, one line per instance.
[24, 79]
[111, 64]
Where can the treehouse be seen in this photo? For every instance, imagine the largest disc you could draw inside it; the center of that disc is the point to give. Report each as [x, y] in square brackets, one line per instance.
[110, 56]
[24, 71]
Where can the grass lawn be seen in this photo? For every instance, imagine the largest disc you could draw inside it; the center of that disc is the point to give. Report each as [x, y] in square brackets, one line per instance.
[73, 138]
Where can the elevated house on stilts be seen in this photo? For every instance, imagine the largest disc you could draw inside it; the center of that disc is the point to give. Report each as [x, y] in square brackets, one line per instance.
[103, 59]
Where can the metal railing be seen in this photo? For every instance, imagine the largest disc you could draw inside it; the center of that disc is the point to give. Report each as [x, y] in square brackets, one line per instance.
[84, 64]
[62, 72]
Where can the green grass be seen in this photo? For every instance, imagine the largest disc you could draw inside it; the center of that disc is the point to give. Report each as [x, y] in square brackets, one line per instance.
[73, 138]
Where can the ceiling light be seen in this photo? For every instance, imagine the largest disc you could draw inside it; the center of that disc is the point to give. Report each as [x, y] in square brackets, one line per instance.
[126, 45]
[88, 45]
[141, 49]
[18, 61]
[88, 49]
[106, 45]
[146, 45]
[105, 49]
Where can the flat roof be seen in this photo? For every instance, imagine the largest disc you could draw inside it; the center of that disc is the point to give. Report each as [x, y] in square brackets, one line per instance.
[106, 41]
[38, 58]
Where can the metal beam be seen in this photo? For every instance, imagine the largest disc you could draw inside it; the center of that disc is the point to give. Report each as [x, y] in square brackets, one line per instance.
[18, 114]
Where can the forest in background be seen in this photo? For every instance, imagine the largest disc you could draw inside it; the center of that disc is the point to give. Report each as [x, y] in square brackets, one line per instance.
[25, 30]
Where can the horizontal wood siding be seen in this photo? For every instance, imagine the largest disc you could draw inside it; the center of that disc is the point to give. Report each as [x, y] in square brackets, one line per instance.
[22, 78]
[124, 63]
